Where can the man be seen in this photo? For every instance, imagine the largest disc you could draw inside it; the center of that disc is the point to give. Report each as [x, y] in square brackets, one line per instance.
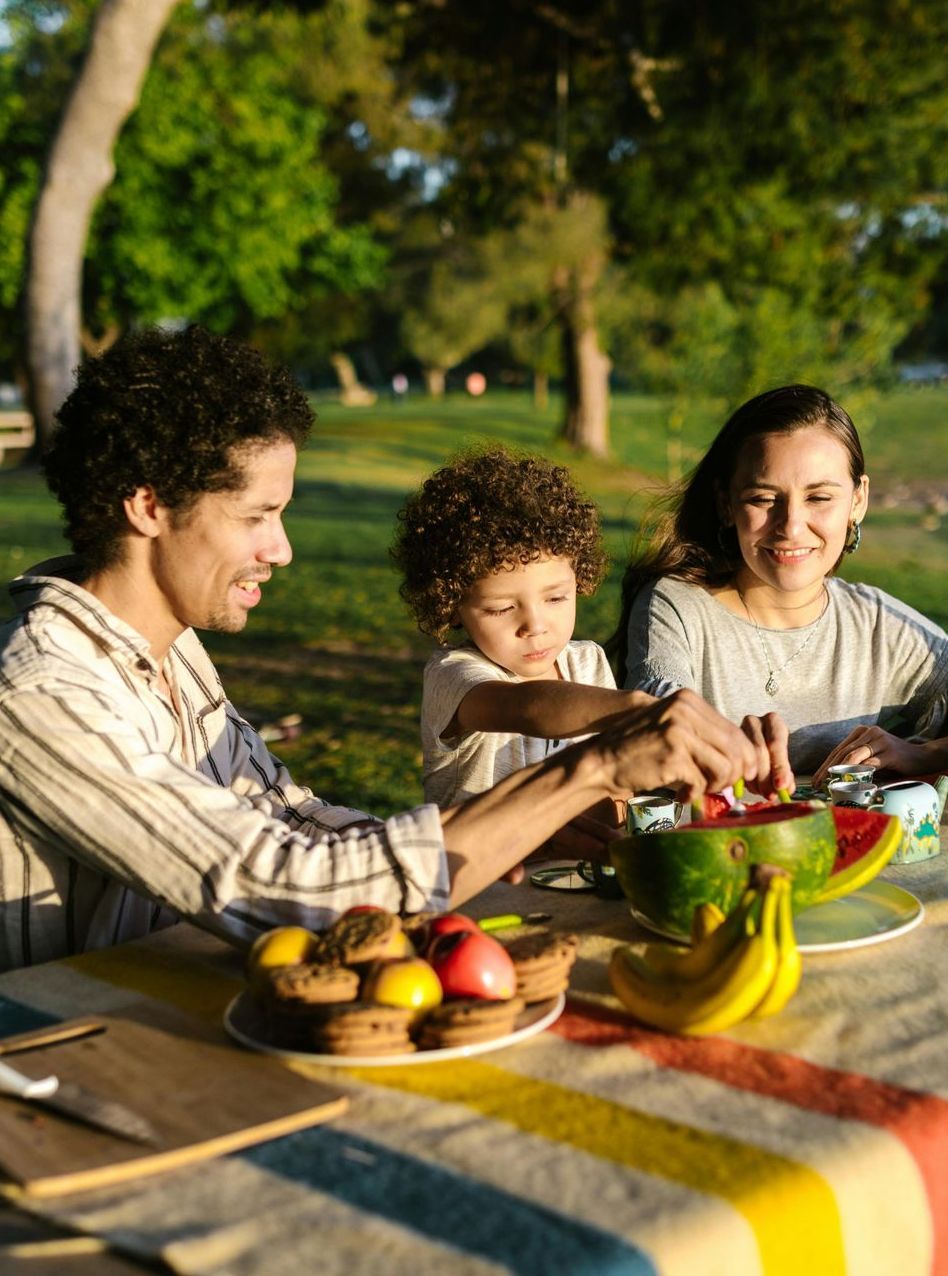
[131, 791]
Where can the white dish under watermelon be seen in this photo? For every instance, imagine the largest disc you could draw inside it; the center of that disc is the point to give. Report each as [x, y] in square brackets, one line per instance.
[876, 912]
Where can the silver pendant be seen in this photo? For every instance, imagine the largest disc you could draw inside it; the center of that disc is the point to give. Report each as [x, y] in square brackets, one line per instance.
[770, 686]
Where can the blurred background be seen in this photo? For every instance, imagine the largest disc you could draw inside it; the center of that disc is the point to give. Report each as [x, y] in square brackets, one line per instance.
[588, 228]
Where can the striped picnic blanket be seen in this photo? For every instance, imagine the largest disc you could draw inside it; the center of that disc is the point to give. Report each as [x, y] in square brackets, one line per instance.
[816, 1142]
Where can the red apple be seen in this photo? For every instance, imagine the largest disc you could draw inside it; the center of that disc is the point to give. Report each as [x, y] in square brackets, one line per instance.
[363, 908]
[447, 924]
[472, 964]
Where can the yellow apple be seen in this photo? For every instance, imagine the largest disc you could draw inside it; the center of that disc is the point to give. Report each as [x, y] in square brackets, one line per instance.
[282, 946]
[403, 981]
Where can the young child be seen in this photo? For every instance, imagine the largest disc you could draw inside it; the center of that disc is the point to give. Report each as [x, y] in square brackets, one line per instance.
[499, 545]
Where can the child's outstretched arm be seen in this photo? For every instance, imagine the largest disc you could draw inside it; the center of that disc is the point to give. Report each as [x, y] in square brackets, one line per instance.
[546, 708]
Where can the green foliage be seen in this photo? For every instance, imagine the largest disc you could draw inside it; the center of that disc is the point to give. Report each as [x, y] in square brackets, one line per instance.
[37, 67]
[222, 209]
[779, 167]
[459, 310]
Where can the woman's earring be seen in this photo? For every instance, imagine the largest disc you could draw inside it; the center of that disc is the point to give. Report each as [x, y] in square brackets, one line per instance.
[854, 539]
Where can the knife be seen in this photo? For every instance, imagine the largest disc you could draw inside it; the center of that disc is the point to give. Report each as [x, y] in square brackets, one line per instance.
[82, 1105]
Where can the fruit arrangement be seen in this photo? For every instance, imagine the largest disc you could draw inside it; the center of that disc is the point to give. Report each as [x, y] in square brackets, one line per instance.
[745, 964]
[373, 985]
[827, 851]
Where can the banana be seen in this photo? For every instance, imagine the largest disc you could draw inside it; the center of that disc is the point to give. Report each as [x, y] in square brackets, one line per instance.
[789, 962]
[715, 1002]
[708, 953]
[705, 919]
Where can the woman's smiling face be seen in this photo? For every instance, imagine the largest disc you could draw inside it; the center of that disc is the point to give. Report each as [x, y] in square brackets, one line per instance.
[791, 500]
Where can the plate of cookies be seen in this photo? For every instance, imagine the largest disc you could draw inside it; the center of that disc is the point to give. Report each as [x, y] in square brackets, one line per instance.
[379, 990]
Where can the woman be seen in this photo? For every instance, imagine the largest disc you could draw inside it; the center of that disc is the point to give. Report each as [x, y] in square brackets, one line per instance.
[736, 595]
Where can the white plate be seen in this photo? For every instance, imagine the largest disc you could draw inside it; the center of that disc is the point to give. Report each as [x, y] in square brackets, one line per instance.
[243, 1022]
[876, 912]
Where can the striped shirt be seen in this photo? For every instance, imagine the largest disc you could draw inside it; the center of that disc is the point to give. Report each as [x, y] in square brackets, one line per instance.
[121, 811]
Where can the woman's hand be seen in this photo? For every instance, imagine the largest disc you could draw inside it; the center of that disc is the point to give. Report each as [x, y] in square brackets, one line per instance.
[770, 737]
[871, 746]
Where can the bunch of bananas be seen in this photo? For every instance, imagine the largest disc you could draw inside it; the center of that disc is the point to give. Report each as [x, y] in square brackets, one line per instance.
[746, 964]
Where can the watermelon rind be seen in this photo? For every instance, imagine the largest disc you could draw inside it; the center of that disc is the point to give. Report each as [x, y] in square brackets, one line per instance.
[888, 834]
[666, 875]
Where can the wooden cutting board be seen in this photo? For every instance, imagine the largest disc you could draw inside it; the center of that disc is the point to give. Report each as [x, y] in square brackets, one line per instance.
[204, 1096]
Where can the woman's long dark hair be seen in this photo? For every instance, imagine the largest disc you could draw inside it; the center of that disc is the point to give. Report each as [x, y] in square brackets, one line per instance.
[683, 535]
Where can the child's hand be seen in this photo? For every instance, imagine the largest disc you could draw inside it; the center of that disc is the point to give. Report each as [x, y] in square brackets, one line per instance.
[587, 836]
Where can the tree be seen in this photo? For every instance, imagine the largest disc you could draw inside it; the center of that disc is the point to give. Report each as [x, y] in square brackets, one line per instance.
[555, 259]
[791, 152]
[223, 209]
[458, 309]
[79, 168]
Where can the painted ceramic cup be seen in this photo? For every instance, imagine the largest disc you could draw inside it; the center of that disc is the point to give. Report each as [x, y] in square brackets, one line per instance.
[853, 793]
[849, 773]
[652, 812]
[918, 806]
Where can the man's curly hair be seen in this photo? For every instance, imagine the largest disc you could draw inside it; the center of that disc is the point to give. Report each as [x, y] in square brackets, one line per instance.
[485, 510]
[169, 410]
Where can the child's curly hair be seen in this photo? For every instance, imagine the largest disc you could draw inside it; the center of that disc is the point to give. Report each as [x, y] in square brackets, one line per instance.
[486, 509]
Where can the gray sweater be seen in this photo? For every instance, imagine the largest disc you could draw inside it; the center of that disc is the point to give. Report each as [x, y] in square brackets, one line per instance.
[870, 660]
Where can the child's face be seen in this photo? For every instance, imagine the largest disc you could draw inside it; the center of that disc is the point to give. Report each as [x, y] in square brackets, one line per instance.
[522, 618]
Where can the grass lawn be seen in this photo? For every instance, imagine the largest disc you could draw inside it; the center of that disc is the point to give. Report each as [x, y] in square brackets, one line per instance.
[333, 641]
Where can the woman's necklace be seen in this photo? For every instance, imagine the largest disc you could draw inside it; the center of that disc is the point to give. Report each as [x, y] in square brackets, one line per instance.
[772, 686]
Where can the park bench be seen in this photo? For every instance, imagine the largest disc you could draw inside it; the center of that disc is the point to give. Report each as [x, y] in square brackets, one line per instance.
[16, 431]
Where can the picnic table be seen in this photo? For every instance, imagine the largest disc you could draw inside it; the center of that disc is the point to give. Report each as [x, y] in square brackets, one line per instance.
[815, 1142]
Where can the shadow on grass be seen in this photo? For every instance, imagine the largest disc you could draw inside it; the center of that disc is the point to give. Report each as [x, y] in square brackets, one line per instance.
[359, 743]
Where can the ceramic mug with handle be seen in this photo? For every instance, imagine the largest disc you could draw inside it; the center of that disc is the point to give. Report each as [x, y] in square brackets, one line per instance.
[850, 773]
[853, 793]
[652, 812]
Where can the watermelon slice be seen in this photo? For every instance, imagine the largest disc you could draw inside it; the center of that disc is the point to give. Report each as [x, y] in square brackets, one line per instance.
[865, 842]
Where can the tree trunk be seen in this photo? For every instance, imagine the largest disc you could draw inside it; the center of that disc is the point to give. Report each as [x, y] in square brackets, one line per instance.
[586, 424]
[353, 394]
[587, 411]
[586, 366]
[541, 391]
[434, 381]
[78, 170]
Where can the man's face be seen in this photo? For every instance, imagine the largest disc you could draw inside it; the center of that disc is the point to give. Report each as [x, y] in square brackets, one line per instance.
[209, 564]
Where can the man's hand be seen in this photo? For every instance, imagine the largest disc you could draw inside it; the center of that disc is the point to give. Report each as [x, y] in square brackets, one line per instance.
[770, 737]
[871, 746]
[678, 742]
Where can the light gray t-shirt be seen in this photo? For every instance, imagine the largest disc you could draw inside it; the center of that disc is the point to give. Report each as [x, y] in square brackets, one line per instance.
[869, 660]
[457, 768]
